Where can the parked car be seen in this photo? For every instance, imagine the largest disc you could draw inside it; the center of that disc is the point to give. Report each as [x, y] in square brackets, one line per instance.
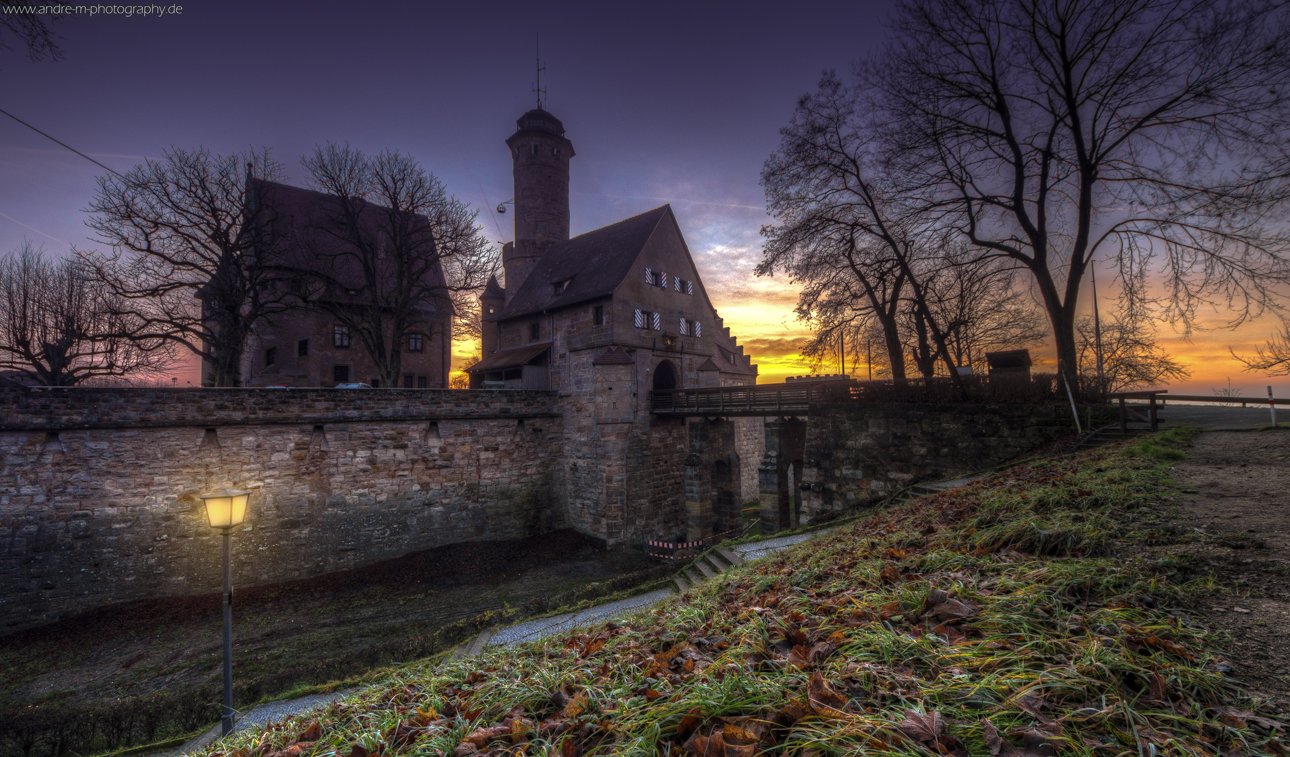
[353, 385]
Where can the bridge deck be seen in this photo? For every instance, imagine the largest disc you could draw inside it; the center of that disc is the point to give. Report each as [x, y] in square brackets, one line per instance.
[757, 400]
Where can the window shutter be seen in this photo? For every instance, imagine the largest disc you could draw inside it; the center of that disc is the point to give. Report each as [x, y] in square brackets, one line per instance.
[684, 332]
[640, 318]
[657, 322]
[689, 287]
[649, 275]
[676, 280]
[698, 329]
[662, 279]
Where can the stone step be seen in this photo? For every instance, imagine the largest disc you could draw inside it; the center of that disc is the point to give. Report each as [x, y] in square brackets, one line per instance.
[695, 577]
[704, 569]
[731, 556]
[721, 565]
[681, 584]
[481, 641]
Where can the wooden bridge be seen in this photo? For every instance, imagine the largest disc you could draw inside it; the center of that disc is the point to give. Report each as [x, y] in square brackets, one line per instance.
[759, 399]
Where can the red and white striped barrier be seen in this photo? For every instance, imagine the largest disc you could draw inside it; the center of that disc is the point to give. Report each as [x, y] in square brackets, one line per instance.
[677, 546]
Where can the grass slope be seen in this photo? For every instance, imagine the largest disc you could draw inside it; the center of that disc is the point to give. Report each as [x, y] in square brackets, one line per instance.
[996, 619]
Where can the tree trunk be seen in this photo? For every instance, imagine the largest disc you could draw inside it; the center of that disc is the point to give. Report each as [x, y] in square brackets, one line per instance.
[895, 351]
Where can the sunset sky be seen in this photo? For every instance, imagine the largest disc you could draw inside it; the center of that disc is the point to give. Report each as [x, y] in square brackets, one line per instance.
[664, 103]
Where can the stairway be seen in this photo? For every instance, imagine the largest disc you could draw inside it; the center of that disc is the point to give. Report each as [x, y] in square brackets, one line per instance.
[708, 565]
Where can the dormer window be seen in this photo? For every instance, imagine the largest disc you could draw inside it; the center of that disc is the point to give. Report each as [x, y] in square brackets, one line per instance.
[560, 286]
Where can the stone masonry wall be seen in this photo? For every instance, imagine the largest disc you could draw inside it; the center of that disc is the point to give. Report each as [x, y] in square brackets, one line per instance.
[856, 454]
[99, 488]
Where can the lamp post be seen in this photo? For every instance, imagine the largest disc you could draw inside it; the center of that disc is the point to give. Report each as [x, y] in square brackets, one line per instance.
[226, 509]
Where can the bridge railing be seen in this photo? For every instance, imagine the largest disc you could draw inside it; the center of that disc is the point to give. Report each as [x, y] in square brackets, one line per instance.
[768, 399]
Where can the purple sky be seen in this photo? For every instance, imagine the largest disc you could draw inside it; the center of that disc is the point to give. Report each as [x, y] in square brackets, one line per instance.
[664, 103]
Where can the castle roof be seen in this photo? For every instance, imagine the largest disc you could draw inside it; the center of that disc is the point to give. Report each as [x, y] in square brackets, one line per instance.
[593, 264]
[307, 239]
[494, 289]
[511, 358]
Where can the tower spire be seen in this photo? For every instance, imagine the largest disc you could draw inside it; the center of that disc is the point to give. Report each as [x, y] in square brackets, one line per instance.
[537, 58]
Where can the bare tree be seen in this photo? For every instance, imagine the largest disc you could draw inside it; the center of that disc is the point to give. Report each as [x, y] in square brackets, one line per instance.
[1273, 357]
[1131, 357]
[394, 249]
[61, 326]
[1049, 132]
[30, 29]
[193, 252]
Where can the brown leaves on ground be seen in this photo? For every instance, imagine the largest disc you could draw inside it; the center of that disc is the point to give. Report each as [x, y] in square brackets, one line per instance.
[826, 702]
[1036, 742]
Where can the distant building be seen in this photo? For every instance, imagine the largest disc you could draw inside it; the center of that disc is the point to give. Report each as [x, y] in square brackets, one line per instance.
[627, 294]
[308, 347]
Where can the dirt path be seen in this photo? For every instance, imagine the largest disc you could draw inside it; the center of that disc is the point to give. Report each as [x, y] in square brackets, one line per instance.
[1237, 496]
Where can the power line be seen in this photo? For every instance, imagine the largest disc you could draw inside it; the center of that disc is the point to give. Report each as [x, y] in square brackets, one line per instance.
[64, 144]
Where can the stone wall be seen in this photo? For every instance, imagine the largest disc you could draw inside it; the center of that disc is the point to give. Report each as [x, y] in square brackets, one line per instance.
[99, 488]
[856, 454]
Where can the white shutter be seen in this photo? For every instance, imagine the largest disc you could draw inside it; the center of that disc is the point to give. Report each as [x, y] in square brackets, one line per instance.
[649, 275]
[662, 279]
[676, 280]
[698, 329]
[658, 323]
[689, 287]
[684, 331]
[640, 318]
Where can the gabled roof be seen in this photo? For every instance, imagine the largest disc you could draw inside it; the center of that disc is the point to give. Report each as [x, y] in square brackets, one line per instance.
[510, 358]
[708, 365]
[613, 355]
[594, 264]
[494, 289]
[301, 223]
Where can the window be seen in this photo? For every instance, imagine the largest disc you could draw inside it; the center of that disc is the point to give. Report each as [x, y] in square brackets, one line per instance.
[375, 382]
[340, 374]
[697, 328]
[656, 278]
[535, 331]
[340, 337]
[407, 381]
[533, 149]
[685, 327]
[302, 348]
[560, 286]
[422, 383]
[415, 342]
[270, 356]
[598, 315]
[491, 310]
[681, 285]
[648, 320]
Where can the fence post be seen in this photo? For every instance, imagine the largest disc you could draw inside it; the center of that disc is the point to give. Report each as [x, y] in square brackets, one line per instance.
[1155, 426]
[1124, 426]
[1273, 407]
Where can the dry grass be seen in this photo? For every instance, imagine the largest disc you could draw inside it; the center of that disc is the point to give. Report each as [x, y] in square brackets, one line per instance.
[991, 620]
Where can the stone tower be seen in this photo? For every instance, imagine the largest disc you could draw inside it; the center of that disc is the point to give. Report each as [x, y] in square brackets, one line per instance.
[540, 155]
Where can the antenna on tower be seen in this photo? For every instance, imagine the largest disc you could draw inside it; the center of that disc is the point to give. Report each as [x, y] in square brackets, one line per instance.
[537, 56]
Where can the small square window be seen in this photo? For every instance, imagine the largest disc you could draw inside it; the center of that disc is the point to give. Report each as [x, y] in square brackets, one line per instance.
[302, 348]
[415, 342]
[271, 356]
[407, 380]
[535, 331]
[598, 315]
[422, 383]
[340, 337]
[340, 374]
[375, 382]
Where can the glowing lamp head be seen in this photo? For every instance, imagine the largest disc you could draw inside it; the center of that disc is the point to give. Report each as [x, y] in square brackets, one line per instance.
[226, 508]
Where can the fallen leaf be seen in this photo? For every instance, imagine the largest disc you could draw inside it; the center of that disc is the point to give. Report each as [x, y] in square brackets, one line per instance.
[1001, 747]
[923, 727]
[825, 701]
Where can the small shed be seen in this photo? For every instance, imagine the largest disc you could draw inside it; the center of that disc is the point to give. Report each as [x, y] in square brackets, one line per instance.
[1009, 363]
[518, 368]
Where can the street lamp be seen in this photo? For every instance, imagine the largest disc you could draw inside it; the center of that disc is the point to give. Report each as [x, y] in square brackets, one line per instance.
[226, 509]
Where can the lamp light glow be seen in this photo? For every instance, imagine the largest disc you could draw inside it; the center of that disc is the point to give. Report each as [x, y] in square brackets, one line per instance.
[226, 508]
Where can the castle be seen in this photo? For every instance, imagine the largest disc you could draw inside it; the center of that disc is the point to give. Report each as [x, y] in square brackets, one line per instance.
[603, 318]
